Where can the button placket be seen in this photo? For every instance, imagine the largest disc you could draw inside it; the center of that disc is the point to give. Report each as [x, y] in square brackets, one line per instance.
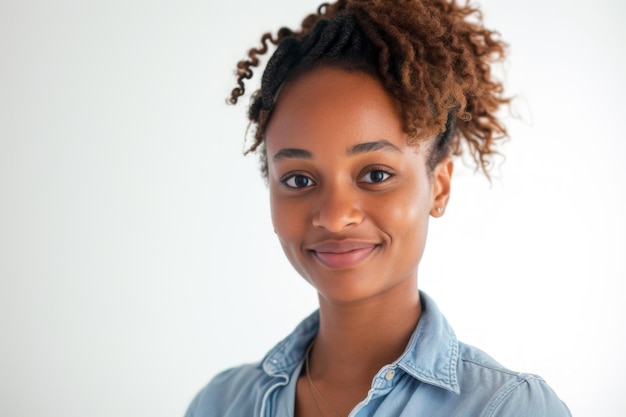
[390, 374]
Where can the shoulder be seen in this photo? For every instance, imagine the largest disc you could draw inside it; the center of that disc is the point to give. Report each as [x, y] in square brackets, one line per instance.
[240, 391]
[236, 387]
[502, 392]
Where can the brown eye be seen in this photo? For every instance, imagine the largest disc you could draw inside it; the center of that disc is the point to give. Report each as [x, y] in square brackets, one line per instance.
[298, 181]
[375, 175]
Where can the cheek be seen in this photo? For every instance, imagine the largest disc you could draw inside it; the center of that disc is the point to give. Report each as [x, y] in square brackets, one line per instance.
[286, 219]
[276, 209]
[290, 228]
[406, 218]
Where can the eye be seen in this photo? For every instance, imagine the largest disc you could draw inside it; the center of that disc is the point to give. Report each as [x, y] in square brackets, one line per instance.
[297, 181]
[375, 175]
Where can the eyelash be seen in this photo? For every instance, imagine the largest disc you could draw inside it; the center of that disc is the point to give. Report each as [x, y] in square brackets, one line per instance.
[285, 181]
[310, 182]
[385, 172]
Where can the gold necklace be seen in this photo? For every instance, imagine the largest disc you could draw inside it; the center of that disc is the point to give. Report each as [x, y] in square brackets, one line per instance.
[312, 388]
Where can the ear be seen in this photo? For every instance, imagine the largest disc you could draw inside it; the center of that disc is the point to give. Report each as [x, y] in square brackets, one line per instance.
[442, 176]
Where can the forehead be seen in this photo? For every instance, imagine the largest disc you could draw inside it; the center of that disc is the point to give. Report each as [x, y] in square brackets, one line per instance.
[328, 107]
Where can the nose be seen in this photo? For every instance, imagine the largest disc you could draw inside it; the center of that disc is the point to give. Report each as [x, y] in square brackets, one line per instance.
[338, 208]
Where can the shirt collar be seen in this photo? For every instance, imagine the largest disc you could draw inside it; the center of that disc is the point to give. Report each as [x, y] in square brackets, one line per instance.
[433, 350]
[288, 353]
[431, 355]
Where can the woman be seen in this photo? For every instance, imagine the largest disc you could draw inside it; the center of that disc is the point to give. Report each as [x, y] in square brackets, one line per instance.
[356, 120]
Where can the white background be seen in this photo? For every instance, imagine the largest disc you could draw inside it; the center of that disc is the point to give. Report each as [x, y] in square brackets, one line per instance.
[137, 258]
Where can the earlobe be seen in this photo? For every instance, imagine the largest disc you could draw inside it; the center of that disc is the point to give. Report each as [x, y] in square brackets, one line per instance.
[442, 177]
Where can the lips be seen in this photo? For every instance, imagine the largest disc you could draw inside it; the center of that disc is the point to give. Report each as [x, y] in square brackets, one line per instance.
[342, 254]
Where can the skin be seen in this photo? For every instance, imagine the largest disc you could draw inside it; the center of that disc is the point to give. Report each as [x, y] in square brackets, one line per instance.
[350, 202]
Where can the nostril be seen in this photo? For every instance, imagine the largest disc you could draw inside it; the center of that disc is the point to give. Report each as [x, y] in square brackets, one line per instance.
[336, 217]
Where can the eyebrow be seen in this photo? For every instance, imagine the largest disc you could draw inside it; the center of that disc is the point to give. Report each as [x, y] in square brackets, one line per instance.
[355, 150]
[373, 146]
[292, 153]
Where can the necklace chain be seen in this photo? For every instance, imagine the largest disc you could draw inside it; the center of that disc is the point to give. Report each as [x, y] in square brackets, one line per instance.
[312, 388]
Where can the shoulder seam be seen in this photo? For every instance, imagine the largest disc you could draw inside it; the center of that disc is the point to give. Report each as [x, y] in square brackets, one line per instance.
[522, 376]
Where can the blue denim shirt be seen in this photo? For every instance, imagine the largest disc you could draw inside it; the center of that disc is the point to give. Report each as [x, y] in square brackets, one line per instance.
[436, 376]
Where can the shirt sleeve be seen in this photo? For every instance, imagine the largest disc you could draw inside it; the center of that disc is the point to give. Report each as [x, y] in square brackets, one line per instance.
[191, 410]
[528, 397]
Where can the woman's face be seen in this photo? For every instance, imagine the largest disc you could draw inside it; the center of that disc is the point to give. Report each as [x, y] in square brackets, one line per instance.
[350, 199]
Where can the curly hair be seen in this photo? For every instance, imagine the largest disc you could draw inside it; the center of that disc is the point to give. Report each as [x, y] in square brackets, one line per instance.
[432, 56]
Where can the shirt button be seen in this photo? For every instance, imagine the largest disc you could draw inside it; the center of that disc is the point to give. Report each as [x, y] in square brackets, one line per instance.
[389, 375]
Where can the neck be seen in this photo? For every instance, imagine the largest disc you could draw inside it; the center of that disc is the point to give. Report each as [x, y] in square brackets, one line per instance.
[356, 339]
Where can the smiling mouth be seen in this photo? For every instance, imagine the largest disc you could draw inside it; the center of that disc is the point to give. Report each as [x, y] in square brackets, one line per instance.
[342, 255]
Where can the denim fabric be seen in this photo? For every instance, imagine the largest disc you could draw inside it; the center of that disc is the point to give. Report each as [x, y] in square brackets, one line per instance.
[436, 376]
